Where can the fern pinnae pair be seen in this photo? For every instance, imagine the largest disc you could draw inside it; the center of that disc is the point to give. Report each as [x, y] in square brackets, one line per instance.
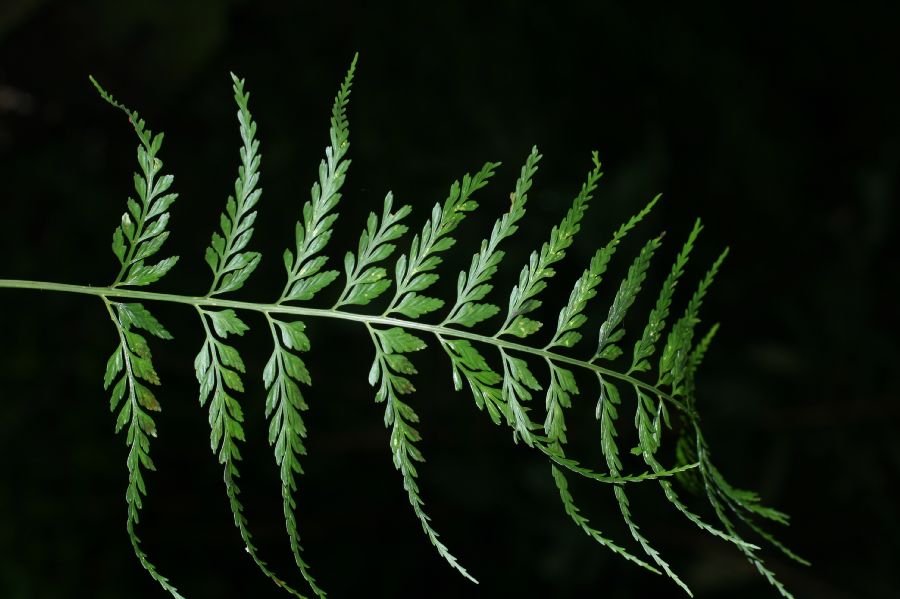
[285, 370]
[139, 236]
[218, 365]
[398, 331]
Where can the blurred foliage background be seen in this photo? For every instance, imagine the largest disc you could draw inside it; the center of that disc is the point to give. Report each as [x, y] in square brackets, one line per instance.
[779, 126]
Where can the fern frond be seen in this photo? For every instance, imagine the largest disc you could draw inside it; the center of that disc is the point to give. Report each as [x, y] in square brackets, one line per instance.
[644, 348]
[523, 298]
[473, 286]
[572, 317]
[219, 366]
[562, 381]
[285, 370]
[231, 266]
[610, 331]
[387, 373]
[745, 548]
[142, 231]
[282, 376]
[649, 416]
[720, 494]
[504, 391]
[365, 281]
[311, 235]
[694, 360]
[673, 362]
[608, 408]
[574, 513]
[467, 363]
[413, 274]
[133, 242]
[413, 270]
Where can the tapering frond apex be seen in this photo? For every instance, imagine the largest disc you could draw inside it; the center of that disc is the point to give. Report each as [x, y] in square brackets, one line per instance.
[145, 135]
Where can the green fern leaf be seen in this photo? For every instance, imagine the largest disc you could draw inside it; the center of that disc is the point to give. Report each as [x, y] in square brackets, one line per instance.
[610, 333]
[285, 370]
[504, 391]
[365, 281]
[413, 269]
[673, 362]
[644, 348]
[608, 409]
[219, 365]
[523, 298]
[386, 374]
[474, 285]
[304, 265]
[134, 241]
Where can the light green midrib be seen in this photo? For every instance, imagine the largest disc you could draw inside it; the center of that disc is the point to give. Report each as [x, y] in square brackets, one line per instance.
[118, 292]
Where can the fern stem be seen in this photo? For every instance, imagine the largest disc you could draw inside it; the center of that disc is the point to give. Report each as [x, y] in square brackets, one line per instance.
[337, 314]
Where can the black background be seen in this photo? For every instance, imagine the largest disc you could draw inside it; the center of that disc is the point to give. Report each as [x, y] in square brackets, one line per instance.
[778, 126]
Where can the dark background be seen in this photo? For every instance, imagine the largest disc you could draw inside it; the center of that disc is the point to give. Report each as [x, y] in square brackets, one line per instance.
[778, 126]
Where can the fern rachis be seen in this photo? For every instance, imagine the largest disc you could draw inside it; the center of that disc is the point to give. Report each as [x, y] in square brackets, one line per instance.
[398, 334]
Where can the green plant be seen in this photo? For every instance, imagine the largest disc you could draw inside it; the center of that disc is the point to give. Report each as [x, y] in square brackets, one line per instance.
[396, 331]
